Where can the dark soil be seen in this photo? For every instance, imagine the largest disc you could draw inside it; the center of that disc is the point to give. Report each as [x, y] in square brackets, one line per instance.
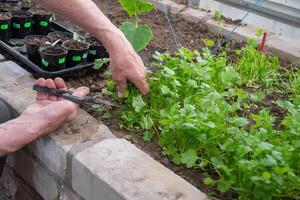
[93, 41]
[76, 45]
[21, 14]
[40, 12]
[53, 50]
[37, 40]
[62, 36]
[7, 8]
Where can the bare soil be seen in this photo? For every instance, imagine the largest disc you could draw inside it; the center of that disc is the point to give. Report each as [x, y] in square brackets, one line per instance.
[53, 50]
[62, 36]
[76, 45]
[37, 40]
[93, 41]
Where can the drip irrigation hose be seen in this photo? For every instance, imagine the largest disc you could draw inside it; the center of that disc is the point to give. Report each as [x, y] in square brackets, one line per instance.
[163, 7]
[229, 35]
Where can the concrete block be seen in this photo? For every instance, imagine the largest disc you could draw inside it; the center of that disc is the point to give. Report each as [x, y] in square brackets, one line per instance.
[194, 15]
[53, 150]
[16, 89]
[175, 8]
[115, 169]
[194, 3]
[14, 188]
[15, 85]
[33, 174]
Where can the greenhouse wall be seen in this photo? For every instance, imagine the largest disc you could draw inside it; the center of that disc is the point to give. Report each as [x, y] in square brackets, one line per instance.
[281, 17]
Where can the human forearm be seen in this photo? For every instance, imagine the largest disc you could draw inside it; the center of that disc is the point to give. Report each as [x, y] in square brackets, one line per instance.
[87, 15]
[16, 133]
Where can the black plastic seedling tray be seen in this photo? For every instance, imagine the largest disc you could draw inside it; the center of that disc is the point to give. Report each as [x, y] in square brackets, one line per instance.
[20, 55]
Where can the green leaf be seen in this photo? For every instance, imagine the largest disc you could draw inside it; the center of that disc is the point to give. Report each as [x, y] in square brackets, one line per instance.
[240, 121]
[224, 185]
[100, 62]
[138, 103]
[147, 136]
[165, 89]
[107, 115]
[138, 35]
[266, 176]
[136, 7]
[189, 158]
[209, 181]
[258, 96]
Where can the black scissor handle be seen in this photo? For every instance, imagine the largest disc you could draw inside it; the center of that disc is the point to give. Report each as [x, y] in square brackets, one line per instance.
[64, 94]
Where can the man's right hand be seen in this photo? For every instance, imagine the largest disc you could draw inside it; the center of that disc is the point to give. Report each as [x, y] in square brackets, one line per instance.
[127, 65]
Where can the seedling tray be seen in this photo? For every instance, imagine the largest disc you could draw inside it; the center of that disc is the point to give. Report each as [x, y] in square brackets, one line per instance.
[20, 55]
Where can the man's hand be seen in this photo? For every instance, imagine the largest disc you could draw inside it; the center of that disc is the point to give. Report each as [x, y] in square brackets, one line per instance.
[128, 66]
[43, 117]
[54, 111]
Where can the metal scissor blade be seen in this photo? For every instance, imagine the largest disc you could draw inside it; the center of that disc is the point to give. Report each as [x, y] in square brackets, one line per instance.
[105, 103]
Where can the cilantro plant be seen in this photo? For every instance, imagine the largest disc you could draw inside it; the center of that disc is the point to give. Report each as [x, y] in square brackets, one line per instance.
[197, 110]
[139, 35]
[256, 69]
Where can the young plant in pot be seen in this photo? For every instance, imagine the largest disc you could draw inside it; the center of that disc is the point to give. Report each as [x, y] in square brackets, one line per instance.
[21, 24]
[42, 23]
[33, 43]
[97, 50]
[5, 19]
[77, 51]
[53, 57]
[59, 35]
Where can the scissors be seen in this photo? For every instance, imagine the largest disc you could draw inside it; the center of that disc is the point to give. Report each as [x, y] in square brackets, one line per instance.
[68, 96]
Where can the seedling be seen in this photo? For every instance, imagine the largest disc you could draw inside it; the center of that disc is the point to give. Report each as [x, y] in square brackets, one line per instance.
[139, 35]
[100, 63]
[53, 44]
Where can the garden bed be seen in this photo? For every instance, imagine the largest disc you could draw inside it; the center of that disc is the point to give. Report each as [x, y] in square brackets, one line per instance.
[249, 99]
[258, 101]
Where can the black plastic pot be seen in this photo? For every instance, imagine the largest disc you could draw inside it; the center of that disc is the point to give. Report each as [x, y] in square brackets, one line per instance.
[97, 50]
[21, 24]
[55, 60]
[5, 27]
[33, 43]
[76, 55]
[42, 24]
[62, 36]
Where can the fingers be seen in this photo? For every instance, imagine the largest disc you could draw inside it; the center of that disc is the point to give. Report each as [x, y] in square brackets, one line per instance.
[121, 87]
[41, 95]
[50, 84]
[141, 84]
[81, 91]
[60, 84]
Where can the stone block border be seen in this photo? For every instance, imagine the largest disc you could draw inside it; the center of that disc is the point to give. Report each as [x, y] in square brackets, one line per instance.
[84, 160]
